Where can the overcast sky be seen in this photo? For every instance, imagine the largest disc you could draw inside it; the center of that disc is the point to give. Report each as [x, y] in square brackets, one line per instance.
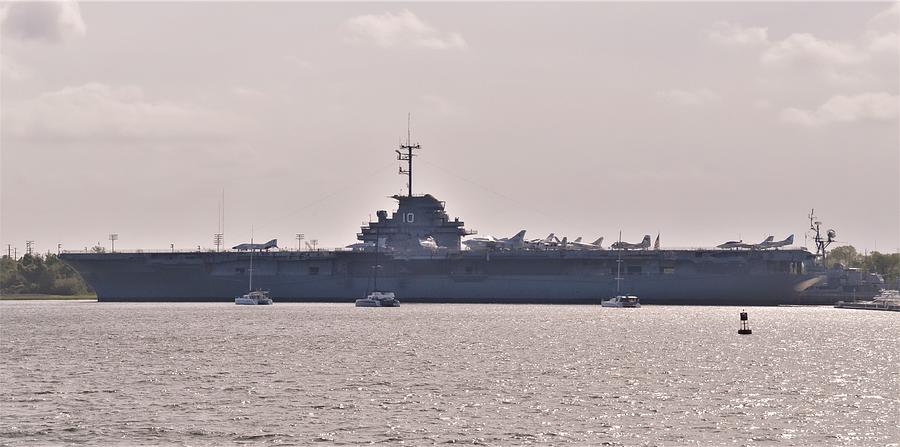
[704, 122]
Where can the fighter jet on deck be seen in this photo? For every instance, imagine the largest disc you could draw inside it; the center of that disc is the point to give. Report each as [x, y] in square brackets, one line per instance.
[741, 244]
[769, 244]
[541, 244]
[578, 245]
[244, 247]
[480, 243]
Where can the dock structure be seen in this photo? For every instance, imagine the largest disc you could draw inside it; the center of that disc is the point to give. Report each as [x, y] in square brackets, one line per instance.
[888, 300]
[889, 305]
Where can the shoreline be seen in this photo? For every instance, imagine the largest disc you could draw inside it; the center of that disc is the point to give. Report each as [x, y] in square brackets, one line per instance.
[46, 297]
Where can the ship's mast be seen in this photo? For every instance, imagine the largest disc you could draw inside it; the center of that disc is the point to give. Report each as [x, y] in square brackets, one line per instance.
[821, 243]
[405, 153]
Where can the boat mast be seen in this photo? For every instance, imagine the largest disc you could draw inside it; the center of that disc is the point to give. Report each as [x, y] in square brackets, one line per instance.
[251, 260]
[619, 267]
[407, 156]
[376, 266]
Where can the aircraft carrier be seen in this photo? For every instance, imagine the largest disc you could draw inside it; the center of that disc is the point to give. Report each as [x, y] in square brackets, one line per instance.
[419, 253]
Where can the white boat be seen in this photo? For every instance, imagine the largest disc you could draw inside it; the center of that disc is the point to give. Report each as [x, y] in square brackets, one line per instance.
[256, 297]
[378, 299]
[253, 297]
[620, 300]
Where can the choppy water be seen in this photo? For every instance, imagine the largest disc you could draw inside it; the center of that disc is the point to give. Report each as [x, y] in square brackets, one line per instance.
[202, 374]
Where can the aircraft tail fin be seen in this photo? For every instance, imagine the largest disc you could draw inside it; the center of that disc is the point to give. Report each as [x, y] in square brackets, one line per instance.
[578, 240]
[519, 236]
[598, 242]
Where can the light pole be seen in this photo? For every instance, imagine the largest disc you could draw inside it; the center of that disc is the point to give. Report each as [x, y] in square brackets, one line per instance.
[217, 239]
[314, 242]
[300, 237]
[112, 240]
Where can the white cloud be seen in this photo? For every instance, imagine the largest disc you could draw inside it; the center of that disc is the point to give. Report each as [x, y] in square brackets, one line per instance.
[47, 21]
[887, 18]
[690, 97]
[100, 111]
[727, 33]
[846, 109]
[403, 29]
[805, 49]
[858, 63]
[882, 42]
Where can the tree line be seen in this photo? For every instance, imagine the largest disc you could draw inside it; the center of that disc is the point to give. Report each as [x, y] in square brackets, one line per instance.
[34, 273]
[888, 265]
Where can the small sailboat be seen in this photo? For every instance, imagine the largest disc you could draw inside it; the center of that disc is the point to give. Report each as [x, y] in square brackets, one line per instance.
[253, 297]
[377, 298]
[620, 300]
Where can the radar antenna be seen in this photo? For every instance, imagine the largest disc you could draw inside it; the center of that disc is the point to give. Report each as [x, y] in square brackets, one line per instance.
[821, 243]
[407, 156]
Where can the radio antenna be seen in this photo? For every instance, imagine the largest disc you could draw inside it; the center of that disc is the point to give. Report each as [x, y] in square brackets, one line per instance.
[405, 153]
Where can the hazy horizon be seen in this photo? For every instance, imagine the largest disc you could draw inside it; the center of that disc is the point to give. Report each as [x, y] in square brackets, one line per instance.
[701, 122]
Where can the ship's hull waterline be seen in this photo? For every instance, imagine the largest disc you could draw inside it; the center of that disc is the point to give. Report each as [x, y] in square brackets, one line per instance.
[703, 277]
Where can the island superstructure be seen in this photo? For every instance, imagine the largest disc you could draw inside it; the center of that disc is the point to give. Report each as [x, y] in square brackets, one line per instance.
[423, 259]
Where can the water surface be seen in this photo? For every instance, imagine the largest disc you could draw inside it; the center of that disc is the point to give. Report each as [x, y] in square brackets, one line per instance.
[293, 374]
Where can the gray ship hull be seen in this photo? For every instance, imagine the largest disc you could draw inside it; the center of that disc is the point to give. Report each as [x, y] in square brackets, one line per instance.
[703, 277]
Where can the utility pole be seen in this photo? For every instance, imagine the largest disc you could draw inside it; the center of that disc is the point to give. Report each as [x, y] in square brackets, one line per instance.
[58, 249]
[9, 251]
[29, 247]
[300, 237]
[112, 239]
[314, 242]
[217, 239]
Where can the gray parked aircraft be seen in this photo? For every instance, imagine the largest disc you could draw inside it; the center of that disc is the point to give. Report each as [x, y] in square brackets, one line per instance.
[645, 244]
[577, 244]
[480, 243]
[769, 244]
[244, 247]
[741, 244]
